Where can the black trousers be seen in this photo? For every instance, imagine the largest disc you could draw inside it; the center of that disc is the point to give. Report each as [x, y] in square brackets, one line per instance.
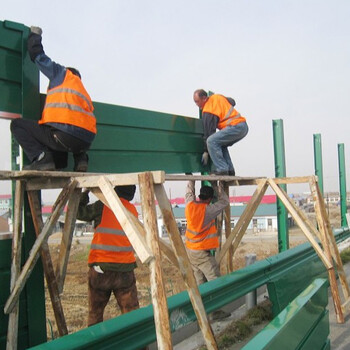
[36, 138]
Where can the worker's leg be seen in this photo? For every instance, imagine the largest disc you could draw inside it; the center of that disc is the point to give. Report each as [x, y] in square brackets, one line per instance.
[224, 138]
[99, 291]
[33, 137]
[125, 291]
[198, 260]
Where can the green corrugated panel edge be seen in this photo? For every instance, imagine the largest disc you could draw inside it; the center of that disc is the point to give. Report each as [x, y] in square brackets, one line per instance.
[19, 86]
[299, 323]
[136, 329]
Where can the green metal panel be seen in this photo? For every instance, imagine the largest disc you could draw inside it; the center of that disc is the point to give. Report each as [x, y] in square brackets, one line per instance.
[132, 140]
[303, 320]
[19, 97]
[342, 184]
[318, 160]
[136, 329]
[280, 171]
[285, 287]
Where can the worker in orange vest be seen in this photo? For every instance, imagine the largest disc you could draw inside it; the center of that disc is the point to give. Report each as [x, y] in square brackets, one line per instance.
[111, 259]
[201, 238]
[67, 124]
[218, 112]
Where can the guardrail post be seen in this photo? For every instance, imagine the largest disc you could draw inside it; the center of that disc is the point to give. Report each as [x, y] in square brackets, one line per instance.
[280, 171]
[318, 160]
[342, 184]
[251, 297]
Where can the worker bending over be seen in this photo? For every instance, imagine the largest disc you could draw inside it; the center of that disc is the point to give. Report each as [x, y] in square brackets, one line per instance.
[218, 112]
[67, 123]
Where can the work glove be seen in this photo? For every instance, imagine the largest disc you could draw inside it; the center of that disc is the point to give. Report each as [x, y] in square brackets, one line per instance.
[84, 197]
[205, 158]
[34, 44]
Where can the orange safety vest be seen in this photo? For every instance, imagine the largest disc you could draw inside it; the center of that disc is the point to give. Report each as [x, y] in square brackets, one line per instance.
[222, 108]
[110, 243]
[69, 103]
[199, 237]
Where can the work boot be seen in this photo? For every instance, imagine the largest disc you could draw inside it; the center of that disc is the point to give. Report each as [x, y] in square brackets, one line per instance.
[81, 161]
[44, 162]
[218, 315]
[220, 173]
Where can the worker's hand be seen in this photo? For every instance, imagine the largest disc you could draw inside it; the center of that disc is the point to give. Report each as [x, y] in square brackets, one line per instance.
[84, 197]
[35, 46]
[205, 158]
[36, 30]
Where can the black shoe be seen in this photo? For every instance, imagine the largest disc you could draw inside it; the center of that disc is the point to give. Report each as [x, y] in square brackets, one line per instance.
[81, 161]
[44, 162]
[232, 173]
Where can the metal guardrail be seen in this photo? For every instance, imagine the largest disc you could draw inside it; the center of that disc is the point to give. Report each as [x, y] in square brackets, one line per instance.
[136, 329]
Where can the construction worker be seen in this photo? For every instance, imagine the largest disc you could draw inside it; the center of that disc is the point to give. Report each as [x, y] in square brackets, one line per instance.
[218, 112]
[111, 258]
[67, 123]
[201, 237]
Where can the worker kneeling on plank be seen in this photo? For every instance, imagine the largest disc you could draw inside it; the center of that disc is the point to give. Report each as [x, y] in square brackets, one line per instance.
[67, 123]
[201, 236]
[111, 258]
[218, 112]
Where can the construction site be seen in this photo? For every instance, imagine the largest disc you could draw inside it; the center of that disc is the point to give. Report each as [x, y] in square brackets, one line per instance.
[297, 280]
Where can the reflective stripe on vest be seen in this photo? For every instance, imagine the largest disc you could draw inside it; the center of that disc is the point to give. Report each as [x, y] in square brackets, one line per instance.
[69, 103]
[198, 237]
[219, 106]
[110, 244]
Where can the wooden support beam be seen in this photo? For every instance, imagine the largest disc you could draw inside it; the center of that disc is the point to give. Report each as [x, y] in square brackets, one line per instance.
[35, 209]
[34, 253]
[322, 218]
[331, 239]
[284, 198]
[185, 266]
[240, 228]
[124, 217]
[227, 216]
[160, 307]
[12, 329]
[67, 236]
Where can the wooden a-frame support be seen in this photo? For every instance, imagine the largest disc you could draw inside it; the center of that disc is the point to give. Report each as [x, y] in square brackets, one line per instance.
[145, 239]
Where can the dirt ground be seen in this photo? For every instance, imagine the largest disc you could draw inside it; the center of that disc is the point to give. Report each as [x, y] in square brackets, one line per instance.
[74, 297]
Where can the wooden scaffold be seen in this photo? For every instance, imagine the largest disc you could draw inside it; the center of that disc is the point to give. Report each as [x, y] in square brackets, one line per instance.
[145, 239]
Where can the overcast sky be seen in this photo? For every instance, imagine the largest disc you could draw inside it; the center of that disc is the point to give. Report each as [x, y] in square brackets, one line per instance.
[278, 59]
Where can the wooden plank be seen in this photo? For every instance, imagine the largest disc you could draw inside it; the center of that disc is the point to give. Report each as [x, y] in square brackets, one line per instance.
[118, 179]
[238, 231]
[12, 329]
[284, 198]
[35, 209]
[160, 307]
[67, 236]
[34, 253]
[123, 215]
[185, 266]
[291, 180]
